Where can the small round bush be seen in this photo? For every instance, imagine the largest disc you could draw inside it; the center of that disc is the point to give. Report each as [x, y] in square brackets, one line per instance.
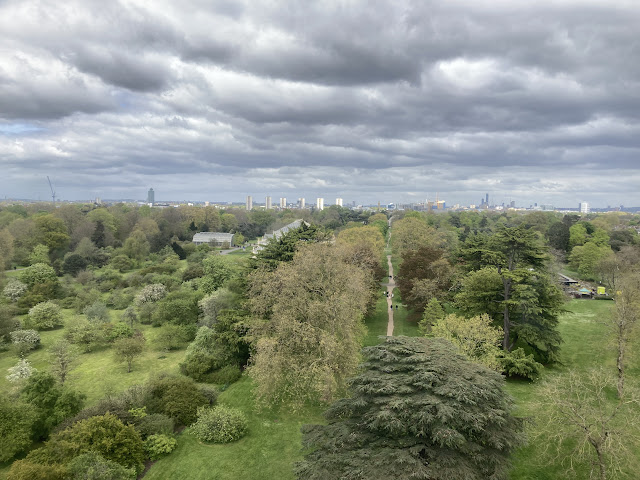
[154, 424]
[219, 424]
[25, 341]
[210, 393]
[226, 375]
[44, 316]
[159, 445]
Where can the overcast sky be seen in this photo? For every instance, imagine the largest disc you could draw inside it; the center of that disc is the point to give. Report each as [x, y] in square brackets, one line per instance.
[396, 101]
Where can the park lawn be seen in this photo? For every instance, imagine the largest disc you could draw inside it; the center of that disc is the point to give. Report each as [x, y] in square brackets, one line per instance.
[97, 373]
[376, 322]
[402, 322]
[585, 346]
[268, 452]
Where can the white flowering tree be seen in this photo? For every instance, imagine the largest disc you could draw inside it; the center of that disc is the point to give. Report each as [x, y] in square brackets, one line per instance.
[14, 289]
[21, 371]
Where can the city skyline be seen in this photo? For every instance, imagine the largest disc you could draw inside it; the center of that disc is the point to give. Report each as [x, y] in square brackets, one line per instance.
[534, 102]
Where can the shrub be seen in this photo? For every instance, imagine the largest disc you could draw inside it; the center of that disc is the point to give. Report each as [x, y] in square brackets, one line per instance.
[104, 434]
[517, 364]
[20, 371]
[159, 445]
[122, 263]
[97, 312]
[173, 337]
[43, 316]
[175, 396]
[119, 330]
[210, 393]
[24, 341]
[151, 293]
[179, 308]
[193, 270]
[120, 300]
[73, 264]
[16, 422]
[93, 466]
[37, 274]
[219, 424]
[154, 424]
[28, 470]
[14, 289]
[88, 336]
[226, 375]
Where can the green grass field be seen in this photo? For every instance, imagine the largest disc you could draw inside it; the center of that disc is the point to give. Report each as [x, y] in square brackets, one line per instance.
[268, 452]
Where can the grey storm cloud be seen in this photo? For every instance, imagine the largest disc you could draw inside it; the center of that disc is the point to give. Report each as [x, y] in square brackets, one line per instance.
[386, 100]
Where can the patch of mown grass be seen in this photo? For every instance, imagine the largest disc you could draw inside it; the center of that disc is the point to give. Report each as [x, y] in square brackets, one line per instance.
[97, 373]
[585, 346]
[268, 451]
[376, 322]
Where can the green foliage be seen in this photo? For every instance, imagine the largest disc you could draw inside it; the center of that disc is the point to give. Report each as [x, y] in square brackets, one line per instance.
[474, 337]
[51, 232]
[174, 337]
[104, 434]
[122, 263]
[193, 270]
[14, 289]
[93, 466]
[53, 402]
[517, 363]
[178, 308]
[214, 348]
[217, 270]
[73, 264]
[136, 246]
[175, 396]
[44, 316]
[424, 274]
[312, 342]
[159, 445]
[510, 282]
[119, 330]
[417, 410]
[16, 424]
[24, 341]
[154, 424]
[127, 349]
[220, 424]
[27, 470]
[284, 248]
[62, 357]
[432, 313]
[86, 335]
[226, 375]
[38, 274]
[585, 258]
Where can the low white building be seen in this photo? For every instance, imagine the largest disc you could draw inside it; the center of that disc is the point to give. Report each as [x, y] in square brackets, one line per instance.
[276, 234]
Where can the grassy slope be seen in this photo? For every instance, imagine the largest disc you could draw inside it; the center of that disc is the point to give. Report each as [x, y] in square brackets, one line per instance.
[584, 347]
[268, 451]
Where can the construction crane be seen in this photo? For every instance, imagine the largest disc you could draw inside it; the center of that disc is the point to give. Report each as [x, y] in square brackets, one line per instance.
[53, 194]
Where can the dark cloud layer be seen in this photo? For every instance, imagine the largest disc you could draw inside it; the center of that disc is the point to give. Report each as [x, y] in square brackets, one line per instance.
[391, 100]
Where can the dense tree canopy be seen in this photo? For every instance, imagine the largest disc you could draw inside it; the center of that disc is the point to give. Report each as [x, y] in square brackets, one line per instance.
[418, 410]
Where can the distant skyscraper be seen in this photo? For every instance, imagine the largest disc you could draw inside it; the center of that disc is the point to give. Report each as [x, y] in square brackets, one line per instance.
[584, 207]
[249, 202]
[486, 199]
[301, 202]
[151, 197]
[339, 202]
[283, 202]
[267, 203]
[320, 203]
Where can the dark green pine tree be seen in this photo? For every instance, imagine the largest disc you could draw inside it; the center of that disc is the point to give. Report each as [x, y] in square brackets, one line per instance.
[418, 410]
[98, 236]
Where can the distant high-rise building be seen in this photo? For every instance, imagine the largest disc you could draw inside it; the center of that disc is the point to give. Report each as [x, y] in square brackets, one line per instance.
[486, 199]
[267, 203]
[320, 203]
[301, 203]
[339, 202]
[151, 197]
[249, 202]
[283, 202]
[584, 207]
